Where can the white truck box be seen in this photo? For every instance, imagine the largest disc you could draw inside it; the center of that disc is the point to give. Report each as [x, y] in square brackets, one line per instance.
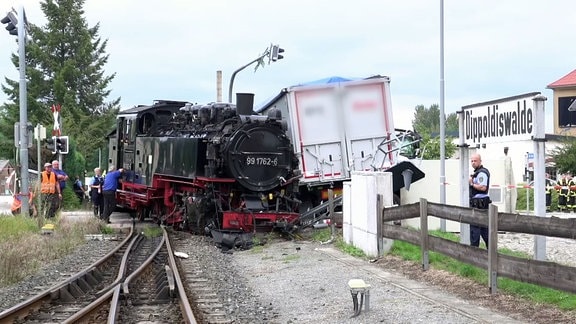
[337, 127]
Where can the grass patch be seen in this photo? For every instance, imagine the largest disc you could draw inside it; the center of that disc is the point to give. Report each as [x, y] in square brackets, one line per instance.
[257, 249]
[105, 229]
[290, 257]
[325, 234]
[13, 227]
[322, 235]
[150, 232]
[534, 293]
[23, 249]
[349, 249]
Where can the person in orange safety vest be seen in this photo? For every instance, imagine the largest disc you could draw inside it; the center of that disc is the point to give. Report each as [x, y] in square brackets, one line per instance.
[50, 189]
[17, 203]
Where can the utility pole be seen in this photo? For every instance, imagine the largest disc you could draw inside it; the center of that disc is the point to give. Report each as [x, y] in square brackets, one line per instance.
[442, 120]
[40, 135]
[274, 54]
[16, 26]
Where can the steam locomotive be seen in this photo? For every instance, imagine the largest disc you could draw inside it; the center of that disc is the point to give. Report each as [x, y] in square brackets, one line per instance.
[206, 167]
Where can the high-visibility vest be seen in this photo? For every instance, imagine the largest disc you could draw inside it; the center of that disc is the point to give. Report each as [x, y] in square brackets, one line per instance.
[48, 183]
[17, 203]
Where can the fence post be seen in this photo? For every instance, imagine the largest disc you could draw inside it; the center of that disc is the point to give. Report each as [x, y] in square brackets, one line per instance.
[379, 233]
[424, 233]
[493, 248]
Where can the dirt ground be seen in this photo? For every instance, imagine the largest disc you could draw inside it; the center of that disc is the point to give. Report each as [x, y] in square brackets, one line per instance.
[515, 307]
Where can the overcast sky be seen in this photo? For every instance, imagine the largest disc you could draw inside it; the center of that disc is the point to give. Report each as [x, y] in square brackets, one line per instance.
[171, 49]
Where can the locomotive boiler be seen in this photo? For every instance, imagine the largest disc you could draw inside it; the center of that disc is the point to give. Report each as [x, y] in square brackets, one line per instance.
[206, 167]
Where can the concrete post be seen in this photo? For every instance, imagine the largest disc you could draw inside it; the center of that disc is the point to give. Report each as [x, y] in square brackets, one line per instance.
[464, 175]
[539, 173]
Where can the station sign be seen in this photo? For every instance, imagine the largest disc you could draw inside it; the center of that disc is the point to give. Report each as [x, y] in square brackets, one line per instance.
[502, 120]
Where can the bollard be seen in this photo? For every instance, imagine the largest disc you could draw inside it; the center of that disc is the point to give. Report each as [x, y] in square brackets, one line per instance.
[359, 286]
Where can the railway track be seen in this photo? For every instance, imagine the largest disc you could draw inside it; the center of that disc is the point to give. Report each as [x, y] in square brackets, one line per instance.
[201, 286]
[137, 281]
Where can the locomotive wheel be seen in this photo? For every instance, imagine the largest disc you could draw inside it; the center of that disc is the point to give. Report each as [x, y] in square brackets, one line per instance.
[143, 214]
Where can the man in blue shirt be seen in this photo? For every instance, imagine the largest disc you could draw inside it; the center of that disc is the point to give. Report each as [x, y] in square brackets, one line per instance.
[109, 191]
[61, 177]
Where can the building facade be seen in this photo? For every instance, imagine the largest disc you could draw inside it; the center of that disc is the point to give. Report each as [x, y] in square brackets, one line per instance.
[564, 103]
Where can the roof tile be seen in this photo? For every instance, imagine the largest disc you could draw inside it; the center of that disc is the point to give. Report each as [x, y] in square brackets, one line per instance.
[568, 80]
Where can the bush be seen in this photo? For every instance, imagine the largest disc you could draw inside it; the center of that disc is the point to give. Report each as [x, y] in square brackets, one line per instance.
[70, 200]
[522, 196]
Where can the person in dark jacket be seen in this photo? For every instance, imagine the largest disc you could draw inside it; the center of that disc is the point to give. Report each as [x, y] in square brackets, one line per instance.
[95, 187]
[78, 189]
[479, 183]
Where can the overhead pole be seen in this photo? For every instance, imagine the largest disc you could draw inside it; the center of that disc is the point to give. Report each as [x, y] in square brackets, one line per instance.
[231, 86]
[442, 119]
[273, 52]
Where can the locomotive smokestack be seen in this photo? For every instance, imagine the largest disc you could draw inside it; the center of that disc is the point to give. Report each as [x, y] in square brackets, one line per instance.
[244, 103]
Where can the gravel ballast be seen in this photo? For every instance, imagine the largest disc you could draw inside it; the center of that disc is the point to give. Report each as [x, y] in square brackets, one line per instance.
[307, 282]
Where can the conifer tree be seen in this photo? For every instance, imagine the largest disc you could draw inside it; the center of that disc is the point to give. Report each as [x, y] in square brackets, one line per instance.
[65, 65]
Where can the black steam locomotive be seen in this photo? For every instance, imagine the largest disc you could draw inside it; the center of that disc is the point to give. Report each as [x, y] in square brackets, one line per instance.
[201, 167]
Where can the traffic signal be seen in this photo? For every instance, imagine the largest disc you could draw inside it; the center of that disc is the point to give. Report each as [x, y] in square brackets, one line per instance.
[51, 144]
[275, 53]
[62, 144]
[11, 22]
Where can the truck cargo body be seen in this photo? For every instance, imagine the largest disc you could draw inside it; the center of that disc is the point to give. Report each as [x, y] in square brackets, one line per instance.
[337, 127]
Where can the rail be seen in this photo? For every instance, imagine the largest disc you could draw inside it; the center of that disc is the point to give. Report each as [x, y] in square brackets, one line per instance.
[22, 309]
[143, 263]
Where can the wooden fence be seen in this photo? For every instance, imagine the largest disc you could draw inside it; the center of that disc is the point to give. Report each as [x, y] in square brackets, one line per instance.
[543, 273]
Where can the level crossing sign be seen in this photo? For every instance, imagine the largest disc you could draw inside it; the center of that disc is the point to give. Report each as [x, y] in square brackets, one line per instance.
[56, 113]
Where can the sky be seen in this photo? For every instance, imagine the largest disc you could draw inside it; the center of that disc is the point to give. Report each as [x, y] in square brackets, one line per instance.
[172, 49]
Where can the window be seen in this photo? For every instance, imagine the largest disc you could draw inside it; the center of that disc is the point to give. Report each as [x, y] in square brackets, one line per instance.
[566, 118]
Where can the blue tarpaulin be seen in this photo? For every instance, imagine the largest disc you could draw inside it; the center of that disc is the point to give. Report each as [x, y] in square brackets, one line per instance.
[334, 79]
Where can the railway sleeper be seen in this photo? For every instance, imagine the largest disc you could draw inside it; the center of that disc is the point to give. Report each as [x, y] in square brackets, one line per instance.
[83, 284]
[96, 274]
[72, 291]
[91, 279]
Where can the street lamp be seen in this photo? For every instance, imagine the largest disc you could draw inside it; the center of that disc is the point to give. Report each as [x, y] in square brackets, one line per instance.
[16, 26]
[273, 53]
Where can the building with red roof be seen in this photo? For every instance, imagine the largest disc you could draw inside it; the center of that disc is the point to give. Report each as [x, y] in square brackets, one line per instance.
[564, 104]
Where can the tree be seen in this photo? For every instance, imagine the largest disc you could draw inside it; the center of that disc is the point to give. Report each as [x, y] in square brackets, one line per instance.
[65, 62]
[427, 123]
[564, 156]
[427, 120]
[430, 147]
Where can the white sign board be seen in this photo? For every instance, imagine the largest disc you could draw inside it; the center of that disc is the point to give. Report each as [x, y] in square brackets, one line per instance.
[502, 120]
